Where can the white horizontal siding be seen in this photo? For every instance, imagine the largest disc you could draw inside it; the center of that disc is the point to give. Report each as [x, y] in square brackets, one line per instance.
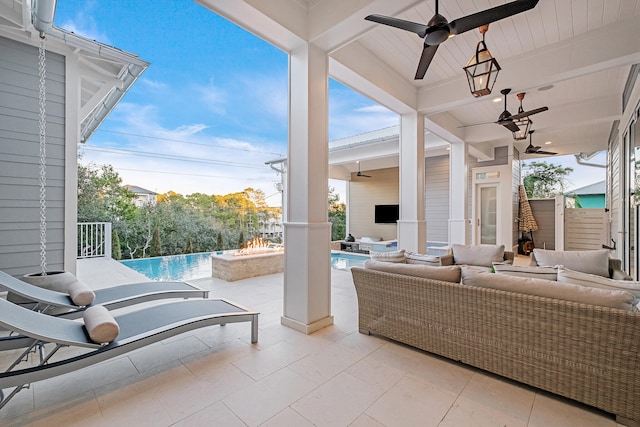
[437, 198]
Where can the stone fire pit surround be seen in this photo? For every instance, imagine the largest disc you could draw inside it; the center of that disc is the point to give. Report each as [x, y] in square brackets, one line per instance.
[232, 267]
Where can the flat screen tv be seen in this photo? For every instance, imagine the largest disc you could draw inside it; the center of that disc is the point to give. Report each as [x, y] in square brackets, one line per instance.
[387, 214]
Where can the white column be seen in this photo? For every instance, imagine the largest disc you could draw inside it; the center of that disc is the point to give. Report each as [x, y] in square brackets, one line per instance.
[412, 227]
[458, 194]
[71, 139]
[307, 275]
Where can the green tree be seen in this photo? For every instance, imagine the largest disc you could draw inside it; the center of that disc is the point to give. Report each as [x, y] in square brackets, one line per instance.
[116, 250]
[545, 180]
[156, 246]
[101, 196]
[337, 216]
[241, 241]
[189, 247]
[219, 242]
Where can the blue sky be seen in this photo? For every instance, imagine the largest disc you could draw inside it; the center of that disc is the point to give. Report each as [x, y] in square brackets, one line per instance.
[211, 108]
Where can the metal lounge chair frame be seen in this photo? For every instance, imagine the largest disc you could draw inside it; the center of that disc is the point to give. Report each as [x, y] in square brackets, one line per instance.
[111, 298]
[138, 328]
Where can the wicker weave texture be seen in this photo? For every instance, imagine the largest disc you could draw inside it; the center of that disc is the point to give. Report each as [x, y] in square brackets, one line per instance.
[586, 353]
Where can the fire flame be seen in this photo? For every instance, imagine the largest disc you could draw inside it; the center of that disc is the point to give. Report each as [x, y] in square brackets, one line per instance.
[258, 245]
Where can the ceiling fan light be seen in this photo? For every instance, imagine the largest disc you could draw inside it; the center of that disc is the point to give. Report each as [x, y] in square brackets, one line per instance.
[482, 71]
[524, 124]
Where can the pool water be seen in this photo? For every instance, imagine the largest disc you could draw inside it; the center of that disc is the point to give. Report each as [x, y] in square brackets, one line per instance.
[195, 266]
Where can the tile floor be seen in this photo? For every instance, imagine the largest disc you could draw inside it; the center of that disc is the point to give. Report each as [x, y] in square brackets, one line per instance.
[334, 377]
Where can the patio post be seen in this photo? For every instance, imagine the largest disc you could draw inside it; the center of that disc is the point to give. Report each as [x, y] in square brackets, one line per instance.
[412, 227]
[458, 184]
[307, 231]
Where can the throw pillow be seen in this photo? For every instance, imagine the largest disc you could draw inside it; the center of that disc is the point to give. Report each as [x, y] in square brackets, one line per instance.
[592, 262]
[416, 258]
[482, 255]
[566, 275]
[548, 273]
[81, 294]
[395, 256]
[445, 274]
[546, 288]
[100, 324]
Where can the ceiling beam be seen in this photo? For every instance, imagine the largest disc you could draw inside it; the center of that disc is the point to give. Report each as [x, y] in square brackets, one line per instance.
[334, 23]
[368, 74]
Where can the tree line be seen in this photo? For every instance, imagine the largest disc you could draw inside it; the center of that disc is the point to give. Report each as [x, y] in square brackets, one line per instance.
[178, 224]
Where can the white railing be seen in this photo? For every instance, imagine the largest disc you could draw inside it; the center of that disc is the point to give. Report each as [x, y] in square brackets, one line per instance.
[94, 239]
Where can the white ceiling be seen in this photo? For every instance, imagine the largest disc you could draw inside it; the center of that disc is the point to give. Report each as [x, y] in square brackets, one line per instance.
[584, 49]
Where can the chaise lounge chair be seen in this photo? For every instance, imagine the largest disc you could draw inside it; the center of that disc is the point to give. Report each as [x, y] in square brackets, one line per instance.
[111, 298]
[137, 328]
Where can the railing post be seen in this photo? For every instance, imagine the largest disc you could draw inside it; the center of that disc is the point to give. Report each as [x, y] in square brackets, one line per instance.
[107, 240]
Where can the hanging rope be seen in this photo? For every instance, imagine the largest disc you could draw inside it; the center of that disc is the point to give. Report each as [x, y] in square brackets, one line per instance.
[42, 124]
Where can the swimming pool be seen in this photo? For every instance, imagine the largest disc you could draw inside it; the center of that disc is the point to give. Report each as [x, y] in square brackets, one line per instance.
[195, 266]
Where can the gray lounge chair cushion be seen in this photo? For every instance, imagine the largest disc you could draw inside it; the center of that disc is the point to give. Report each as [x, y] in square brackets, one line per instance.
[546, 288]
[446, 274]
[566, 275]
[100, 324]
[416, 258]
[592, 262]
[481, 255]
[535, 272]
[395, 256]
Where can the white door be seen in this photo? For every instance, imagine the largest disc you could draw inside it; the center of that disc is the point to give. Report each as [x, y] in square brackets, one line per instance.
[487, 214]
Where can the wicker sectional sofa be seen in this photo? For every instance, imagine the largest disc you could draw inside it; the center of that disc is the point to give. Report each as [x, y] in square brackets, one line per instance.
[583, 352]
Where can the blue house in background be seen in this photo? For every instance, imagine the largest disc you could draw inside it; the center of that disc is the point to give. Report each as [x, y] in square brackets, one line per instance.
[590, 196]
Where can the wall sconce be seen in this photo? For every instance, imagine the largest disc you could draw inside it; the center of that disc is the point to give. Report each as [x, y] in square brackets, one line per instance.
[524, 123]
[482, 69]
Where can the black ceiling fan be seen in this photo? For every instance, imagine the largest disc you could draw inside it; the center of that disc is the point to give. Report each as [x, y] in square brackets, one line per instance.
[438, 29]
[360, 173]
[507, 119]
[536, 150]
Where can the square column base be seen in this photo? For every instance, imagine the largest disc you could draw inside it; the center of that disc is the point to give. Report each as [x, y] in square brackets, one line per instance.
[306, 329]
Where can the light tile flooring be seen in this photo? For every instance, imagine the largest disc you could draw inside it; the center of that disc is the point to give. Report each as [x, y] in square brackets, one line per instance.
[334, 377]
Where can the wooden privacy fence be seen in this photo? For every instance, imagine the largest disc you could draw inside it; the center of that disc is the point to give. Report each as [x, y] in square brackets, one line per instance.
[585, 229]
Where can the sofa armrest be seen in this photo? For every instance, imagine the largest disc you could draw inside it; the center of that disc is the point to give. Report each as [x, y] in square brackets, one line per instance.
[446, 259]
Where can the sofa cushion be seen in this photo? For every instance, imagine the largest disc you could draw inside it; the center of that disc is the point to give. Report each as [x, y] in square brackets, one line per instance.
[395, 256]
[566, 275]
[482, 255]
[546, 288]
[416, 258]
[547, 273]
[592, 262]
[446, 274]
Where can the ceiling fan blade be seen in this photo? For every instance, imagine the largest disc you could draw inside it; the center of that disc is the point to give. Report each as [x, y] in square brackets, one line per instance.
[476, 124]
[475, 20]
[528, 113]
[414, 27]
[545, 152]
[510, 125]
[425, 60]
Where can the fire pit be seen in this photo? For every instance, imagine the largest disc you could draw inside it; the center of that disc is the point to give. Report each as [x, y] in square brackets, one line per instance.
[257, 258]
